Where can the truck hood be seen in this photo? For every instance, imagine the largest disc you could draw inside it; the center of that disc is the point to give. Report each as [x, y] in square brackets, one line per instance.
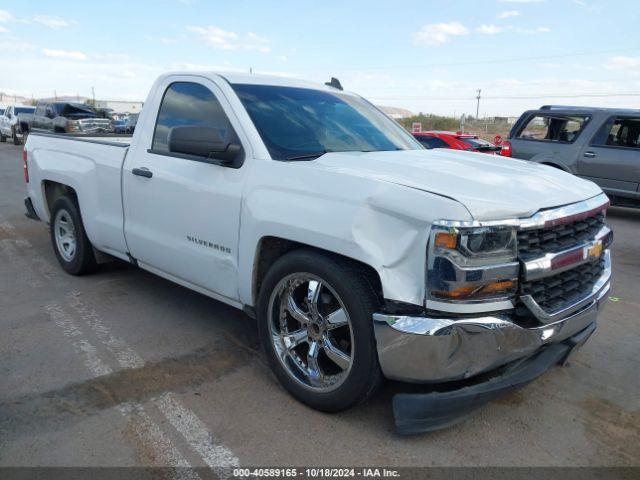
[489, 186]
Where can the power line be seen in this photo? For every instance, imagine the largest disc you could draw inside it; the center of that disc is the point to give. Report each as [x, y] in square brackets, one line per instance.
[492, 84]
[586, 95]
[511, 97]
[476, 62]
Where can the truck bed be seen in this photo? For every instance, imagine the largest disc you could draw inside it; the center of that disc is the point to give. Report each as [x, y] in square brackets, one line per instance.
[113, 139]
[92, 166]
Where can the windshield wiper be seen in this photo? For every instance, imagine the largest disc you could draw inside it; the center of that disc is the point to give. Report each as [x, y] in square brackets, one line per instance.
[308, 156]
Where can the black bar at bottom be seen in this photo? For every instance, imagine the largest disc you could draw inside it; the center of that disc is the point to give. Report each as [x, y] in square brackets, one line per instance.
[426, 412]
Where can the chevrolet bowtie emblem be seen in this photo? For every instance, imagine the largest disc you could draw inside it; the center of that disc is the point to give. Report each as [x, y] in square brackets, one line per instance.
[594, 251]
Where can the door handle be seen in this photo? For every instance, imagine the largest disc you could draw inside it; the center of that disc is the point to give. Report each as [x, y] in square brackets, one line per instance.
[142, 172]
[589, 154]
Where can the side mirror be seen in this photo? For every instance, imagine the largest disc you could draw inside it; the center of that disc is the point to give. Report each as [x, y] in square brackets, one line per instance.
[206, 142]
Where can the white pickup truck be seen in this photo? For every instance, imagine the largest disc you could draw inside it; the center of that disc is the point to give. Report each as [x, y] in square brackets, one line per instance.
[361, 254]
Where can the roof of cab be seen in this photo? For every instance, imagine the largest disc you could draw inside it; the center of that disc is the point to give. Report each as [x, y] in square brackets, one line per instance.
[579, 109]
[260, 79]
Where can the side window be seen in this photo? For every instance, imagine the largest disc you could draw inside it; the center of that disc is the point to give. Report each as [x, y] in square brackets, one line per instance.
[189, 104]
[622, 132]
[553, 128]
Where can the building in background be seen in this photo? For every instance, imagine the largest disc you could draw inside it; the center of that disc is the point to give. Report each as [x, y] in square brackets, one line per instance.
[8, 100]
[119, 106]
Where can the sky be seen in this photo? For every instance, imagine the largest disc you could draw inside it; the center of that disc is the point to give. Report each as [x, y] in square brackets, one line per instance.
[426, 56]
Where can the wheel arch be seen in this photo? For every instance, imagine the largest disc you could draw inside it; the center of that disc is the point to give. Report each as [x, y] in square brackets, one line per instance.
[271, 248]
[53, 190]
[555, 165]
[555, 160]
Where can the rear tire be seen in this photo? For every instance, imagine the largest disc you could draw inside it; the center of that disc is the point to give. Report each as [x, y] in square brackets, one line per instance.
[3, 138]
[342, 369]
[70, 243]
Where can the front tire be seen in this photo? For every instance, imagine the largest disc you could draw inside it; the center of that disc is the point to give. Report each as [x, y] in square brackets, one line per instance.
[315, 325]
[70, 242]
[2, 138]
[16, 140]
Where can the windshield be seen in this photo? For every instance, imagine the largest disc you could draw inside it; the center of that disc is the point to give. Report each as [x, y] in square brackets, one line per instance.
[73, 109]
[24, 110]
[305, 123]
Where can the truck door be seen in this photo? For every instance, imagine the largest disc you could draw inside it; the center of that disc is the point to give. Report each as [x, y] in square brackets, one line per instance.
[47, 120]
[42, 118]
[182, 214]
[37, 114]
[612, 157]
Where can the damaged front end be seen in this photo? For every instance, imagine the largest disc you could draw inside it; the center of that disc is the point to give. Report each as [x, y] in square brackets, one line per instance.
[507, 299]
[419, 413]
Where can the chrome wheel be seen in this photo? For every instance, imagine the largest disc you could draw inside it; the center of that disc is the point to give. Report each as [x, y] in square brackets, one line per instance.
[311, 331]
[65, 235]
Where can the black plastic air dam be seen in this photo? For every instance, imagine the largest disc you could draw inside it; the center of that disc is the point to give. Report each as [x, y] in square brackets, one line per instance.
[30, 213]
[426, 412]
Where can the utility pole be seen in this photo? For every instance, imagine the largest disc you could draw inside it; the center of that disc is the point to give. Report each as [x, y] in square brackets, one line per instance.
[93, 95]
[478, 105]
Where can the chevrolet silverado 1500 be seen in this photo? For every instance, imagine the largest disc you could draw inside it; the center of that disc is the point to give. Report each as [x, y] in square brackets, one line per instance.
[361, 254]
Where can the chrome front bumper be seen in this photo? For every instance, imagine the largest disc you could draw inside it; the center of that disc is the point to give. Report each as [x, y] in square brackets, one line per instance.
[438, 349]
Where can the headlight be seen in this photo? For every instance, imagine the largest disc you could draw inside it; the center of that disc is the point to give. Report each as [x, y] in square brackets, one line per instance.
[73, 126]
[471, 265]
[475, 246]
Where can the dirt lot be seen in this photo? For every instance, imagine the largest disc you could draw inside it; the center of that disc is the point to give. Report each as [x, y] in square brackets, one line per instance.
[125, 368]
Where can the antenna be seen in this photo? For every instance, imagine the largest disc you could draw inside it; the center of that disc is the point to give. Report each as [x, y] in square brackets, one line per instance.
[335, 83]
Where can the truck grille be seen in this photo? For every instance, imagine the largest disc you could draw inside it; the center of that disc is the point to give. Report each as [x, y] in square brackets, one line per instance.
[95, 124]
[539, 241]
[554, 293]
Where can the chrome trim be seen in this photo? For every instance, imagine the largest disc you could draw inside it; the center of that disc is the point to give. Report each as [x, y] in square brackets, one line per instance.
[477, 272]
[541, 267]
[437, 349]
[602, 285]
[498, 271]
[478, 306]
[538, 219]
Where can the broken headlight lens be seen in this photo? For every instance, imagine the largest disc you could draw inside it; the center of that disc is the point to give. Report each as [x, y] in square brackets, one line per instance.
[470, 245]
[472, 264]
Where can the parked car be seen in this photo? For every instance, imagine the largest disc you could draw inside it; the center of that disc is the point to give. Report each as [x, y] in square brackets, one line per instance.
[66, 117]
[361, 254]
[12, 121]
[599, 144]
[119, 126]
[130, 123]
[456, 141]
